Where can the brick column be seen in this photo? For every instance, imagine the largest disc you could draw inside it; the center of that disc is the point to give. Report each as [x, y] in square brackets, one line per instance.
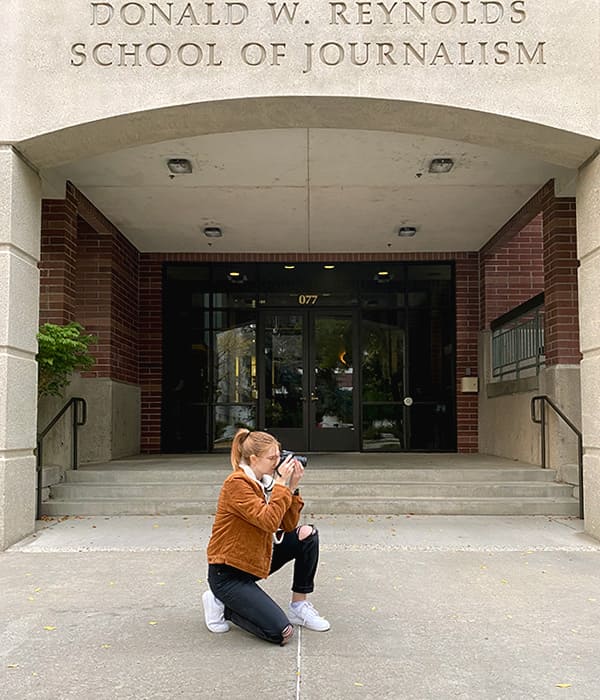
[561, 326]
[20, 209]
[58, 259]
[467, 326]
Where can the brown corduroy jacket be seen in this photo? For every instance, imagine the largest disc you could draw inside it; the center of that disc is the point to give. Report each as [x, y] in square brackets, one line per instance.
[242, 533]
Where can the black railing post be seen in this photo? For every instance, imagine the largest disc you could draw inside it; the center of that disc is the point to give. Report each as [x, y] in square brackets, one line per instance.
[543, 400]
[74, 403]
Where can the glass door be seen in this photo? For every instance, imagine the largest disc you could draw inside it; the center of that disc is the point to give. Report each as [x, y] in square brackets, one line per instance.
[308, 379]
[332, 414]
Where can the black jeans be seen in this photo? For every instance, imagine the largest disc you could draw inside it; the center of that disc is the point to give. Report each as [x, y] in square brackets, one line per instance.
[247, 605]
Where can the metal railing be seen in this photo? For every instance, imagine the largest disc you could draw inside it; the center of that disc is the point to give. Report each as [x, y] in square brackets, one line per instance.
[542, 400]
[519, 346]
[78, 418]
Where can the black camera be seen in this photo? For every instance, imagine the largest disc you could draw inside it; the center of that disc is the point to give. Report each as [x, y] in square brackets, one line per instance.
[286, 453]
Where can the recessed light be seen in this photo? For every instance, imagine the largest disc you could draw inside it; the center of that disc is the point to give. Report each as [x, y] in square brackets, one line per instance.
[212, 232]
[179, 166]
[289, 267]
[383, 273]
[441, 165]
[407, 231]
[234, 274]
[329, 267]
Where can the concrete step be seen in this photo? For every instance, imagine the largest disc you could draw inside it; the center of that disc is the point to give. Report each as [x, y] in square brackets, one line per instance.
[320, 506]
[315, 476]
[508, 490]
[202, 491]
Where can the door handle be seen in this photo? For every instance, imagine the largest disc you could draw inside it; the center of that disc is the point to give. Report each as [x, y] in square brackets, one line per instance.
[408, 401]
[313, 396]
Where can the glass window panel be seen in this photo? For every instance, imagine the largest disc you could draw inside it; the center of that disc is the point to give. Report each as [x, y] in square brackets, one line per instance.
[382, 427]
[333, 372]
[235, 364]
[284, 357]
[228, 420]
[383, 357]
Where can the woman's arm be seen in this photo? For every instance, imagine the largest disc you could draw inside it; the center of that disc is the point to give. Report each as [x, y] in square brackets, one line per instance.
[242, 499]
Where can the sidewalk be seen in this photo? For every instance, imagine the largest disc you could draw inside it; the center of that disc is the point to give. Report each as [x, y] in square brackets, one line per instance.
[428, 607]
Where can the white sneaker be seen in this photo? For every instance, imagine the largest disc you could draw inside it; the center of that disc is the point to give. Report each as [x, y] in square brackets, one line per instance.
[305, 614]
[214, 612]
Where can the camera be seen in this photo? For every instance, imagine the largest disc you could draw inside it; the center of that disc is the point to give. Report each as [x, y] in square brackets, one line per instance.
[286, 453]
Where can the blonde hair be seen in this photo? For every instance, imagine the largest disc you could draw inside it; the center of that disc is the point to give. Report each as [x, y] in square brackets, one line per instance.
[250, 442]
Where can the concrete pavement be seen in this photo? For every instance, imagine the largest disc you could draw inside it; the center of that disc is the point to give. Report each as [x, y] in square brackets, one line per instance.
[422, 607]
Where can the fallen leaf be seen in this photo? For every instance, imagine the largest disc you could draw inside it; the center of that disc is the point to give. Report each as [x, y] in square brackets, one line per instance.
[373, 608]
[360, 685]
[49, 628]
[156, 526]
[105, 646]
[153, 622]
[112, 583]
[13, 666]
[31, 598]
[563, 685]
[503, 581]
[37, 590]
[161, 583]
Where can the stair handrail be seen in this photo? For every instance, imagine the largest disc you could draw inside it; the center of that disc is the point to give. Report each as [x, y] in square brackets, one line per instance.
[79, 418]
[543, 399]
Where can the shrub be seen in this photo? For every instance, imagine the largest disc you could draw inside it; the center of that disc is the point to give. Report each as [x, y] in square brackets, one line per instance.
[61, 351]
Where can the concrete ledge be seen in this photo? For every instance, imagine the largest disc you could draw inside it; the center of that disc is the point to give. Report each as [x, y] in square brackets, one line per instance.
[514, 386]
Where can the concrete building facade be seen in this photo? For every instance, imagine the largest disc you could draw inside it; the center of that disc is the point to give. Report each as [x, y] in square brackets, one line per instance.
[310, 130]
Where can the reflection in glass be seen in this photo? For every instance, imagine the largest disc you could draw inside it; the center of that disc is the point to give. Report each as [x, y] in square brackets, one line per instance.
[284, 370]
[383, 358]
[235, 364]
[382, 427]
[333, 372]
[228, 419]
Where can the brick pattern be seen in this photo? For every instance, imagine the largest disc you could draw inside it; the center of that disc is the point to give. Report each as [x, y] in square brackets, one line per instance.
[561, 334]
[89, 273]
[467, 324]
[151, 340]
[58, 257]
[513, 272]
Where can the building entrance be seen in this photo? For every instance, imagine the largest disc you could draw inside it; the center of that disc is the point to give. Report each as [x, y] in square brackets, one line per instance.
[342, 357]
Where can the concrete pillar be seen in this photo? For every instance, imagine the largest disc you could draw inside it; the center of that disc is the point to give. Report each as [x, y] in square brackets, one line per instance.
[588, 245]
[20, 208]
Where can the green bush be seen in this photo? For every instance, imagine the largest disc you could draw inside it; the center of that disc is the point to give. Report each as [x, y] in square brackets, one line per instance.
[61, 351]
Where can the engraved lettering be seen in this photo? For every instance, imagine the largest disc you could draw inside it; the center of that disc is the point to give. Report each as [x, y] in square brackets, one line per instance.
[124, 53]
[254, 54]
[96, 54]
[78, 50]
[337, 12]
[155, 8]
[160, 57]
[189, 15]
[384, 51]
[493, 11]
[523, 53]
[410, 49]
[102, 13]
[364, 13]
[409, 8]
[276, 13]
[501, 48]
[463, 54]
[466, 18]
[357, 59]
[444, 12]
[518, 9]
[387, 11]
[331, 53]
[134, 17]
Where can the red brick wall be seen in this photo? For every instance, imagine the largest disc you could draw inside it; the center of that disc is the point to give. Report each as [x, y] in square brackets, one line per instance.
[561, 335]
[89, 274]
[467, 313]
[467, 326]
[58, 259]
[513, 272]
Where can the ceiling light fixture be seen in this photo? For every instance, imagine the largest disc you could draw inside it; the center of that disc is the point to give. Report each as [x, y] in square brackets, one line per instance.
[289, 267]
[329, 267]
[441, 165]
[179, 166]
[212, 232]
[407, 231]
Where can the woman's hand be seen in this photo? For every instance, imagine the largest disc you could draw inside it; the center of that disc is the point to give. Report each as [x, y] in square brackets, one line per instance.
[285, 471]
[297, 475]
